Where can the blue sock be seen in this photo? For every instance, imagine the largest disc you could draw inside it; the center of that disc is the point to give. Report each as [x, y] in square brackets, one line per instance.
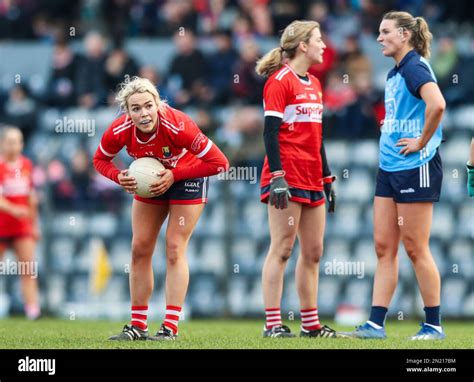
[377, 315]
[433, 316]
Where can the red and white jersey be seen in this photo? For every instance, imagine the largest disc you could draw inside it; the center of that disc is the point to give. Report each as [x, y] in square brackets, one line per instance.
[299, 103]
[16, 184]
[177, 143]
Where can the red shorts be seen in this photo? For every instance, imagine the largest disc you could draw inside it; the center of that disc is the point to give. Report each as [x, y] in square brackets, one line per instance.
[190, 191]
[298, 195]
[12, 229]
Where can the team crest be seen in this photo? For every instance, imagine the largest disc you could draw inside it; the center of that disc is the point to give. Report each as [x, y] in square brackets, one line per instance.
[166, 151]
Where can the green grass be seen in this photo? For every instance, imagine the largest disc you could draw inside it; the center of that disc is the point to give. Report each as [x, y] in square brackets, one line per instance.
[18, 333]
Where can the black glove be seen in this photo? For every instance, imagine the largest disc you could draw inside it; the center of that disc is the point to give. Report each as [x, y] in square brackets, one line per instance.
[330, 193]
[279, 192]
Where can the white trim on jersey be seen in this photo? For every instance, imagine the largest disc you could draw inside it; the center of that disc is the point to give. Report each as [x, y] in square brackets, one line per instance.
[304, 82]
[170, 126]
[282, 74]
[128, 126]
[149, 140]
[106, 152]
[205, 150]
[272, 113]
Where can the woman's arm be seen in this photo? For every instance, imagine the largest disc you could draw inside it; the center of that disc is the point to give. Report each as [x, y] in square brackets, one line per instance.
[435, 106]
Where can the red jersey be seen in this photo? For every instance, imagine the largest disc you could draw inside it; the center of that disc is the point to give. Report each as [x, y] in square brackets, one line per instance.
[16, 185]
[177, 143]
[299, 103]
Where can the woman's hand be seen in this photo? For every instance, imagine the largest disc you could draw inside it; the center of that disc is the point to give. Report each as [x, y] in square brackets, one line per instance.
[20, 211]
[412, 145]
[128, 183]
[163, 184]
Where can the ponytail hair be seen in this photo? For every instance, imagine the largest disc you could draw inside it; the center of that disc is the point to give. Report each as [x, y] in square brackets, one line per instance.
[421, 36]
[293, 34]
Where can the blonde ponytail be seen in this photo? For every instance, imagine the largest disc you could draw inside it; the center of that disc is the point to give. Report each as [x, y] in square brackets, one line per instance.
[422, 37]
[270, 63]
[293, 34]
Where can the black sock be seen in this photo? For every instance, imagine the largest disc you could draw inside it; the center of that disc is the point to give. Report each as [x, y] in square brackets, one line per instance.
[377, 315]
[433, 316]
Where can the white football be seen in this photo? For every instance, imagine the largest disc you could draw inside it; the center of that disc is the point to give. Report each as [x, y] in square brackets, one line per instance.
[145, 171]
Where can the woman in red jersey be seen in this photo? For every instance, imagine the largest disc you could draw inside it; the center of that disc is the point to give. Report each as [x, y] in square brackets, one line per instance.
[149, 127]
[18, 210]
[295, 174]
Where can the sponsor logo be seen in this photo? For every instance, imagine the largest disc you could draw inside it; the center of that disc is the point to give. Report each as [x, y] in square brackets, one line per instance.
[301, 96]
[311, 111]
[407, 191]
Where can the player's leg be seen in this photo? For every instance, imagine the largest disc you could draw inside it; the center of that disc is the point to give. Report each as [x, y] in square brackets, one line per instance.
[416, 219]
[147, 220]
[283, 229]
[182, 220]
[311, 238]
[24, 249]
[386, 240]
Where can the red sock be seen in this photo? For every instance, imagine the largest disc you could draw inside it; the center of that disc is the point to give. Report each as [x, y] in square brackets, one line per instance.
[172, 317]
[273, 317]
[310, 319]
[139, 316]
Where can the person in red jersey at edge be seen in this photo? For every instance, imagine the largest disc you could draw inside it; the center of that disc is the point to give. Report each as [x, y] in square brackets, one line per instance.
[18, 214]
[295, 174]
[151, 128]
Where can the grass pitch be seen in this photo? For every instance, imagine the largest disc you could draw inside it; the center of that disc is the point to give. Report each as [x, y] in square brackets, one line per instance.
[48, 333]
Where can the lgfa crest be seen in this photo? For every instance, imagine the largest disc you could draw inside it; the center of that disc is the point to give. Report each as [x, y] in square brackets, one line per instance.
[166, 151]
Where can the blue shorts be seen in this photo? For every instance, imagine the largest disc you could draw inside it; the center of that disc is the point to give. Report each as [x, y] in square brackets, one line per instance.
[421, 184]
[189, 191]
[298, 195]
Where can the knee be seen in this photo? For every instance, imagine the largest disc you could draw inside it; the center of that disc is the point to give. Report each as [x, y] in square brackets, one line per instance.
[174, 249]
[282, 250]
[385, 249]
[141, 250]
[313, 253]
[413, 248]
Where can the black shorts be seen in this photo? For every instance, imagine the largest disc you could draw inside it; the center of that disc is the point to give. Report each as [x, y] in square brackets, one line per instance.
[189, 191]
[421, 184]
[307, 197]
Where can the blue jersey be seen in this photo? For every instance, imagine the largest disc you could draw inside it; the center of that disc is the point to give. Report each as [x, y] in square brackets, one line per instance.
[405, 114]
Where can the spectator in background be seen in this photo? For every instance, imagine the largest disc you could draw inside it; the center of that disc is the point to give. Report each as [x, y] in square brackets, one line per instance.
[220, 73]
[247, 85]
[187, 72]
[118, 65]
[60, 89]
[322, 70]
[353, 61]
[214, 15]
[445, 61]
[20, 110]
[151, 73]
[90, 73]
[176, 15]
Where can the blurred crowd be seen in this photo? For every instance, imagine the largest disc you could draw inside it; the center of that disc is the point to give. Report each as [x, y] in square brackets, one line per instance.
[216, 80]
